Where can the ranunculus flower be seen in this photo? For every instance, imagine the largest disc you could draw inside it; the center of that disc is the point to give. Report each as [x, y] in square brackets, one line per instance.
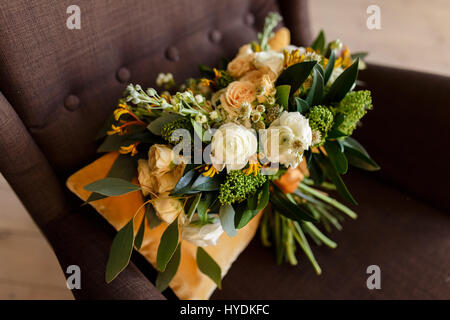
[167, 208]
[232, 145]
[202, 236]
[240, 65]
[237, 93]
[286, 139]
[272, 59]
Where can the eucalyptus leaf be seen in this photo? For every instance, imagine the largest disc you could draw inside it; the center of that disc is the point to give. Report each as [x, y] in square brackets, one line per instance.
[282, 95]
[302, 105]
[112, 187]
[152, 219]
[343, 84]
[226, 214]
[120, 252]
[295, 75]
[329, 68]
[157, 125]
[334, 176]
[184, 183]
[140, 234]
[167, 246]
[336, 156]
[315, 94]
[203, 183]
[209, 267]
[319, 42]
[163, 279]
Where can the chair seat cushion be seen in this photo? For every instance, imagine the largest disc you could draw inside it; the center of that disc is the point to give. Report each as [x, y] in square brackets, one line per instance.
[407, 239]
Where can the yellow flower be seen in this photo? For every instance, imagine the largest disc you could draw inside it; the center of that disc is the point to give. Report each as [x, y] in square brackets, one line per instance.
[253, 168]
[114, 130]
[210, 171]
[293, 57]
[129, 149]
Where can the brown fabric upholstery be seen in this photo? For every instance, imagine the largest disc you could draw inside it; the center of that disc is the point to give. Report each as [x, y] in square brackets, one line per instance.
[59, 86]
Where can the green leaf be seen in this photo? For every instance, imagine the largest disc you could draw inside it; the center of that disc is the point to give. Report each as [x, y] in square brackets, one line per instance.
[120, 252]
[184, 183]
[343, 84]
[194, 205]
[204, 205]
[203, 183]
[289, 209]
[334, 176]
[315, 94]
[106, 127]
[124, 167]
[157, 125]
[163, 279]
[357, 156]
[152, 219]
[319, 42]
[226, 214]
[329, 68]
[167, 246]
[302, 105]
[360, 55]
[282, 95]
[255, 203]
[209, 267]
[336, 156]
[198, 128]
[295, 75]
[140, 234]
[112, 187]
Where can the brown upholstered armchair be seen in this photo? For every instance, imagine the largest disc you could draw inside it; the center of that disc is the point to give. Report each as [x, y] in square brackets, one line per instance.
[59, 85]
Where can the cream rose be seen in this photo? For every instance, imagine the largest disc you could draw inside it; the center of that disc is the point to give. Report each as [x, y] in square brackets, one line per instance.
[237, 93]
[202, 236]
[240, 65]
[167, 208]
[161, 159]
[232, 145]
[256, 76]
[272, 59]
[144, 177]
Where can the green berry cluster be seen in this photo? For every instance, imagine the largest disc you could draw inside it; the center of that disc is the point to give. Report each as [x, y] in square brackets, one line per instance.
[320, 119]
[351, 109]
[238, 186]
[169, 128]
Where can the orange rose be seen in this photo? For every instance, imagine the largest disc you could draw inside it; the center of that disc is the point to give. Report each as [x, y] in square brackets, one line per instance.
[256, 76]
[235, 94]
[240, 65]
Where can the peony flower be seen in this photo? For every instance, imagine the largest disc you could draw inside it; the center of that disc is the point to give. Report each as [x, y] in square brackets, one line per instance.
[240, 65]
[272, 59]
[232, 145]
[205, 235]
[167, 208]
[237, 93]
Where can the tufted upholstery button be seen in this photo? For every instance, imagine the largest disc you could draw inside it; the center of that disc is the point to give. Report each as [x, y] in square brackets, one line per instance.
[172, 54]
[215, 36]
[123, 75]
[249, 19]
[71, 102]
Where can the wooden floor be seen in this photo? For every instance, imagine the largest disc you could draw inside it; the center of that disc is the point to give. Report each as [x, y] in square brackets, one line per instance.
[414, 34]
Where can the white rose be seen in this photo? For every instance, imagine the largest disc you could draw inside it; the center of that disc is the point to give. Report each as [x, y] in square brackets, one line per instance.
[272, 59]
[167, 208]
[232, 145]
[205, 235]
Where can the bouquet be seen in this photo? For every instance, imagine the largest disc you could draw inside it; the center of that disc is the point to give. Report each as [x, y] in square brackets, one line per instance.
[264, 136]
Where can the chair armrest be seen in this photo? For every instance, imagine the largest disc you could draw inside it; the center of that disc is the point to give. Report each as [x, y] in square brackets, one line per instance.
[83, 239]
[407, 132]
